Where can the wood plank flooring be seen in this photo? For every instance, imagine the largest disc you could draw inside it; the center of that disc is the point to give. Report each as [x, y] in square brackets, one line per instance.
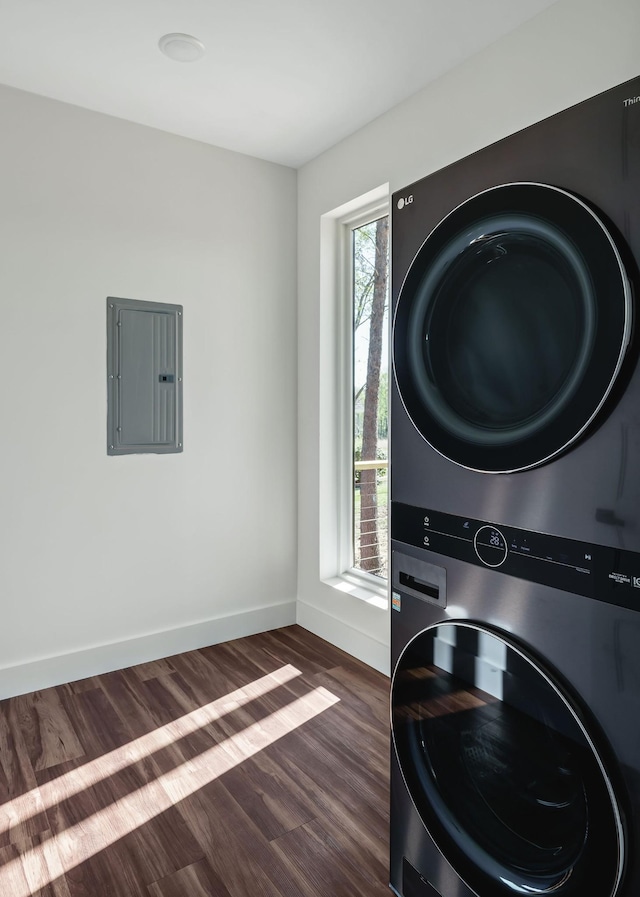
[255, 768]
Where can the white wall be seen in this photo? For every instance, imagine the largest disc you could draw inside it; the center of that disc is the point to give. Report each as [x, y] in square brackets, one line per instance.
[106, 561]
[573, 50]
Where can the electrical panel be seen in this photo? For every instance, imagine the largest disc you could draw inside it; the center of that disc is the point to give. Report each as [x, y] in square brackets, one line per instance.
[144, 377]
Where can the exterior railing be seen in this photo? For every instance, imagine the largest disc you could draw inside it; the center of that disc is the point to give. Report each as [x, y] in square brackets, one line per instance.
[371, 517]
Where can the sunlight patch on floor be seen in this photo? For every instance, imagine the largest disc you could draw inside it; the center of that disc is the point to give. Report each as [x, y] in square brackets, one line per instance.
[25, 806]
[39, 866]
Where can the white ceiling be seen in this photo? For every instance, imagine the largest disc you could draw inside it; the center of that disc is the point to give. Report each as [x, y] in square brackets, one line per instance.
[281, 79]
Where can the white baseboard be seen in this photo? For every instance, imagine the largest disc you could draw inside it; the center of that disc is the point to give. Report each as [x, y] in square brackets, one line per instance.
[49, 671]
[364, 647]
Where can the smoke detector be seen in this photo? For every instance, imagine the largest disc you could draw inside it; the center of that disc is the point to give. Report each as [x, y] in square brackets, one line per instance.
[181, 47]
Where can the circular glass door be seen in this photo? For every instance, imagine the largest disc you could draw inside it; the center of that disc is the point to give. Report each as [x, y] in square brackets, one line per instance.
[501, 768]
[511, 327]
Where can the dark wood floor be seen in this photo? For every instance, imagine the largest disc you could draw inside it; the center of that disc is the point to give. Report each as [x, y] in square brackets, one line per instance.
[256, 768]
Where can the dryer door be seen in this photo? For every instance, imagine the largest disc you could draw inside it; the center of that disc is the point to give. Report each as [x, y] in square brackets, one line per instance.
[502, 768]
[511, 327]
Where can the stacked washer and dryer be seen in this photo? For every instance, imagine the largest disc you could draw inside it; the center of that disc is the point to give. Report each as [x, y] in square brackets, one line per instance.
[515, 515]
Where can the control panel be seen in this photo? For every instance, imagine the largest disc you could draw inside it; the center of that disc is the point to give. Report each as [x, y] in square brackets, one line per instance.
[596, 571]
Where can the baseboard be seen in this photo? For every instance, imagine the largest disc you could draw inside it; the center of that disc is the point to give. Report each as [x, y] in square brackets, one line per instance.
[50, 671]
[364, 647]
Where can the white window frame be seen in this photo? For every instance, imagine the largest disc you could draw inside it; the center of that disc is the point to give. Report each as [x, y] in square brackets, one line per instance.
[336, 399]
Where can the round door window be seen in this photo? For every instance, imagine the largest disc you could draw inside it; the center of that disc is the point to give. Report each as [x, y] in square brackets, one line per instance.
[511, 327]
[501, 768]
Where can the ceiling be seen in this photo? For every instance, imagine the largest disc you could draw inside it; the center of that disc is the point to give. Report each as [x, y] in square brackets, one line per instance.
[282, 80]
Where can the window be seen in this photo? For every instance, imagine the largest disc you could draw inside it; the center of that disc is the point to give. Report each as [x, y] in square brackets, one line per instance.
[369, 255]
[353, 423]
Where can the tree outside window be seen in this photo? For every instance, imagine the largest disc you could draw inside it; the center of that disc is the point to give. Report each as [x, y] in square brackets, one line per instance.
[370, 254]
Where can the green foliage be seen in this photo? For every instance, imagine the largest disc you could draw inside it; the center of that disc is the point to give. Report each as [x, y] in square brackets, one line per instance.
[364, 268]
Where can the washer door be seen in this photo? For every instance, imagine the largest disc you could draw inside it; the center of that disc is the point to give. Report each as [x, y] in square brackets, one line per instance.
[501, 768]
[511, 327]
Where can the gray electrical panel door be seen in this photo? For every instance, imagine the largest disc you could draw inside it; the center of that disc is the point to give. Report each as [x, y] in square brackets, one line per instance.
[144, 377]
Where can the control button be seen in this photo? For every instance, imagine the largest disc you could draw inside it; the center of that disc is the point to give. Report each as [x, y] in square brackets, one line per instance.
[490, 546]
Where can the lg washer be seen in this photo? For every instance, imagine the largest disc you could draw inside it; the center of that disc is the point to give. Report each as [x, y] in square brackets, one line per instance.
[515, 515]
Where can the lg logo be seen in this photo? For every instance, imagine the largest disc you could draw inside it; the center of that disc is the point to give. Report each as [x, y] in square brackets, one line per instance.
[405, 201]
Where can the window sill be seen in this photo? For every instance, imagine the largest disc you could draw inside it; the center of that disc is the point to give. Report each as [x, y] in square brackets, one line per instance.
[359, 585]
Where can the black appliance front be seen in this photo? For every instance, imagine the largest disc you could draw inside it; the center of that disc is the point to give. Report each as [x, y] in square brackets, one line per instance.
[515, 488]
[515, 714]
[511, 327]
[514, 278]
